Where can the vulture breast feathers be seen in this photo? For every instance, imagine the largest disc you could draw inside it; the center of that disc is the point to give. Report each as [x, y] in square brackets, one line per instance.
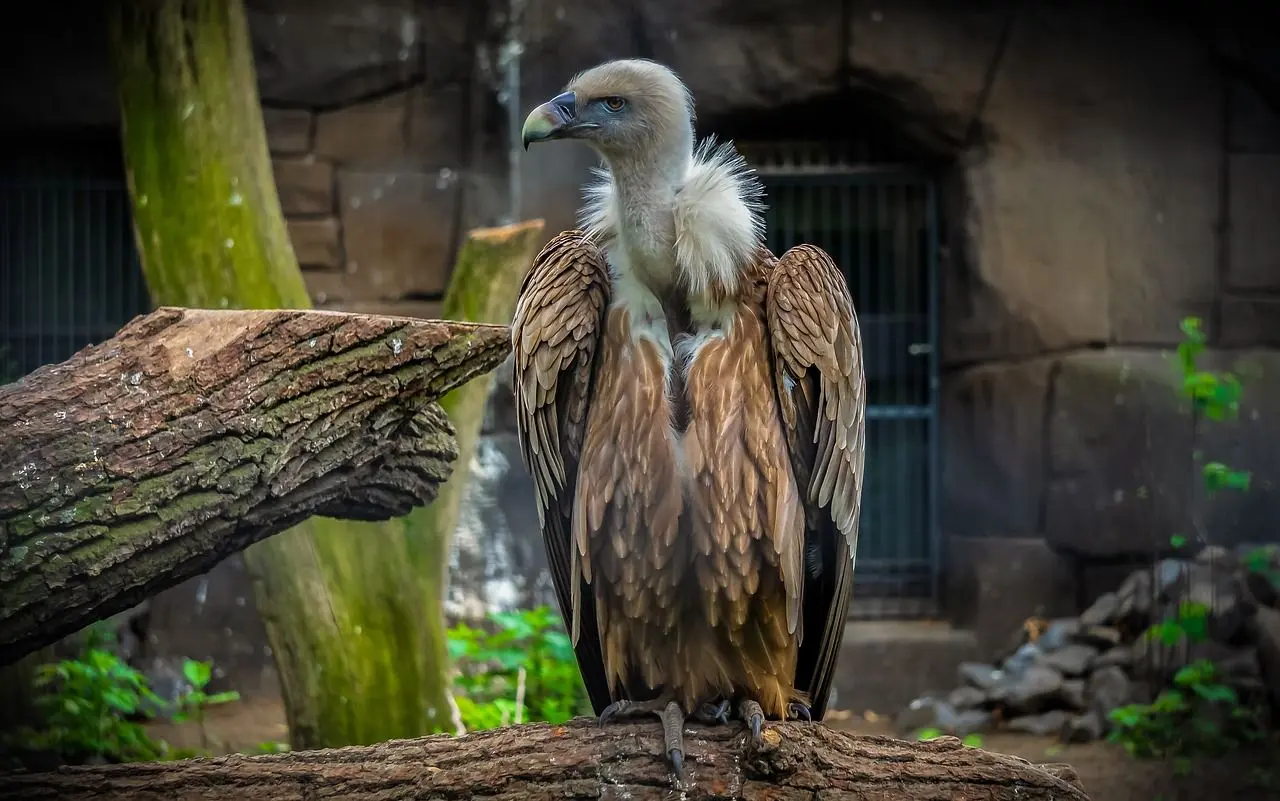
[814, 343]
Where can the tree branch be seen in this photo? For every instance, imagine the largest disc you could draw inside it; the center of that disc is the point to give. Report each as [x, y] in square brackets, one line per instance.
[192, 434]
[580, 760]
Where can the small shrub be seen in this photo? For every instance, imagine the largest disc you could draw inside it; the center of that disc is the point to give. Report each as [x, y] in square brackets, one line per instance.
[528, 647]
[95, 707]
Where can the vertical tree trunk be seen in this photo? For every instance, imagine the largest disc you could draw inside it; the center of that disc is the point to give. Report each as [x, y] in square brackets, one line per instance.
[353, 617]
[484, 286]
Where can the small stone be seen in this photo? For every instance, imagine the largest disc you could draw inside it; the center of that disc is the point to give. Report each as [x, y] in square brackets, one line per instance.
[1030, 692]
[1083, 728]
[932, 713]
[1121, 656]
[1044, 724]
[1100, 637]
[1071, 660]
[963, 698]
[1107, 689]
[1072, 693]
[1103, 610]
[1022, 659]
[971, 721]
[1058, 633]
[1213, 555]
[976, 674]
[1267, 628]
[1135, 595]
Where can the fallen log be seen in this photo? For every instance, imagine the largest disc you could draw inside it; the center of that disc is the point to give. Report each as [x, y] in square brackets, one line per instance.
[192, 434]
[581, 760]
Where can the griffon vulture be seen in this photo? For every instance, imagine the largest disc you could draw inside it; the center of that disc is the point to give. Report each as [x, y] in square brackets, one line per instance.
[691, 409]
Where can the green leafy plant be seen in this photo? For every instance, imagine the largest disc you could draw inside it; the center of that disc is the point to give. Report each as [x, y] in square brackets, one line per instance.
[519, 667]
[1198, 716]
[95, 708]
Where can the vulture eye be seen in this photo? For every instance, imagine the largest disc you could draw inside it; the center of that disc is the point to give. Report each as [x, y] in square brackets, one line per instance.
[615, 104]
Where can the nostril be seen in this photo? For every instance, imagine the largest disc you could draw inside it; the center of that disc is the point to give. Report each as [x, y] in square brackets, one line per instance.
[566, 104]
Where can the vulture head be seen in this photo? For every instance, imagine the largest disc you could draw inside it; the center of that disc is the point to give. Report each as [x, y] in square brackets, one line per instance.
[631, 106]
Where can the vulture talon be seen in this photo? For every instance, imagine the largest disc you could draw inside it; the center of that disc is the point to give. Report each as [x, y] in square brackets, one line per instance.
[673, 736]
[753, 715]
[713, 714]
[799, 711]
[622, 708]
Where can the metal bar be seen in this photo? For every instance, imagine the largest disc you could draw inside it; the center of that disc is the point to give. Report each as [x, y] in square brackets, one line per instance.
[935, 434]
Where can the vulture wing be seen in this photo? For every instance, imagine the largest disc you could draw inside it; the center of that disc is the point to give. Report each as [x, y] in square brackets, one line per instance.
[818, 375]
[555, 336]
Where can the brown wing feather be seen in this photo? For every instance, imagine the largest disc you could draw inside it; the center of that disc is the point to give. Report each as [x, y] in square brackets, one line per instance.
[555, 338]
[817, 348]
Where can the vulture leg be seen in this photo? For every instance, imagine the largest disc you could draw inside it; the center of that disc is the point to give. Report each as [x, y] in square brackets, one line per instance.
[672, 724]
[750, 713]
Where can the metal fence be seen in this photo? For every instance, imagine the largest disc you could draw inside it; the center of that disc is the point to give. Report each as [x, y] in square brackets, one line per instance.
[880, 225]
[69, 271]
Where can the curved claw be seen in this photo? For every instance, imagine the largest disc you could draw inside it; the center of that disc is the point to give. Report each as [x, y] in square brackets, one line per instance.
[800, 711]
[713, 714]
[677, 761]
[613, 710]
[756, 722]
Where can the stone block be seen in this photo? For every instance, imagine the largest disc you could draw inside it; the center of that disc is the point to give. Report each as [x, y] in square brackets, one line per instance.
[437, 125]
[214, 618]
[316, 242]
[993, 419]
[289, 130]
[993, 584]
[1250, 320]
[369, 134]
[321, 53]
[305, 185]
[1255, 127]
[1120, 445]
[399, 231]
[1255, 232]
[1096, 186]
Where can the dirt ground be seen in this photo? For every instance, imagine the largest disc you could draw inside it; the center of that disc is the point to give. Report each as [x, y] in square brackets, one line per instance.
[1108, 774]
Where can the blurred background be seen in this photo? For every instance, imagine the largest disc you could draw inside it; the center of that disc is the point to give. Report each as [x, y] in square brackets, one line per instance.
[1035, 203]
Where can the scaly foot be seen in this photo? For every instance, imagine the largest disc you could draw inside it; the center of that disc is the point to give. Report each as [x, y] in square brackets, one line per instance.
[672, 724]
[750, 713]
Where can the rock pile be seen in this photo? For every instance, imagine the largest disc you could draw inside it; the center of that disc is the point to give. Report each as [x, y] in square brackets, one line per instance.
[1064, 677]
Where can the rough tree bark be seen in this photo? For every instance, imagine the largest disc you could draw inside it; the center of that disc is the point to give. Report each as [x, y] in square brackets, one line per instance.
[343, 606]
[539, 762]
[189, 435]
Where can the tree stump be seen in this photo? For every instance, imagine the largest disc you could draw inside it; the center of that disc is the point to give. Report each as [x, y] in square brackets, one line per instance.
[192, 434]
[580, 760]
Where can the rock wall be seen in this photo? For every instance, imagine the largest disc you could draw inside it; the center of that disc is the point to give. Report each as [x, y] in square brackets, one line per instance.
[1107, 170]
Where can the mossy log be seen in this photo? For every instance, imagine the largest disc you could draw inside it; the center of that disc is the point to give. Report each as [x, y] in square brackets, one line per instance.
[191, 434]
[540, 762]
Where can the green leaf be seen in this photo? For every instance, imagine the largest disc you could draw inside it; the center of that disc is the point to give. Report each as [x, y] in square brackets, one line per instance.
[928, 734]
[198, 673]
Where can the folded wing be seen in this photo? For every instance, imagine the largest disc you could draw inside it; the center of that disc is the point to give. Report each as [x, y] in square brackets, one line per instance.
[818, 375]
[555, 337]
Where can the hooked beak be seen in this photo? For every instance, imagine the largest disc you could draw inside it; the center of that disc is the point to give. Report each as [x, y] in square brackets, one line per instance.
[555, 119]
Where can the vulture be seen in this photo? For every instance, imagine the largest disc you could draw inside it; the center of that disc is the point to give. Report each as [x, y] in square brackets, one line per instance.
[691, 408]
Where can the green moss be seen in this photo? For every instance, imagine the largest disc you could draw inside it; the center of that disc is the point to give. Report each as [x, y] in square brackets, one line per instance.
[355, 624]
